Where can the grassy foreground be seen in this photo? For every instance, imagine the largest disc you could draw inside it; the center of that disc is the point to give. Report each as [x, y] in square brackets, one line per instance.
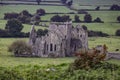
[7, 59]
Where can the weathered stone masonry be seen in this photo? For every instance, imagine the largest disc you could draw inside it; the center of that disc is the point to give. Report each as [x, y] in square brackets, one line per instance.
[62, 40]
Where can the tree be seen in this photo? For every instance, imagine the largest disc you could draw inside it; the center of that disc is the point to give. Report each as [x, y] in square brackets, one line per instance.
[56, 18]
[97, 8]
[115, 7]
[70, 3]
[10, 15]
[64, 1]
[38, 1]
[36, 19]
[84, 27]
[65, 18]
[41, 32]
[117, 33]
[24, 19]
[40, 12]
[25, 13]
[76, 17]
[118, 18]
[98, 20]
[14, 26]
[88, 18]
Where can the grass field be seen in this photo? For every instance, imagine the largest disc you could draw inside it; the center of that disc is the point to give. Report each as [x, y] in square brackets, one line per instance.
[92, 4]
[32, 9]
[7, 58]
[110, 26]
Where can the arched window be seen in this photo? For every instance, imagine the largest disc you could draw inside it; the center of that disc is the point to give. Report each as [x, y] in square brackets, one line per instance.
[47, 47]
[51, 47]
[55, 47]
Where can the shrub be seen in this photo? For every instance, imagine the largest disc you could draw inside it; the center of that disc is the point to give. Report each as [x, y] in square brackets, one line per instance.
[36, 19]
[115, 7]
[10, 15]
[88, 18]
[24, 19]
[96, 33]
[64, 1]
[118, 19]
[20, 48]
[14, 26]
[117, 32]
[76, 17]
[40, 12]
[58, 18]
[41, 32]
[97, 8]
[98, 20]
[89, 59]
[25, 13]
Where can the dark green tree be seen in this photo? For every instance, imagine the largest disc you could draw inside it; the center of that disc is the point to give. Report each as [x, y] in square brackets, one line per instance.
[98, 20]
[38, 1]
[88, 18]
[41, 32]
[64, 1]
[117, 33]
[97, 8]
[115, 7]
[76, 17]
[70, 3]
[35, 19]
[14, 26]
[56, 18]
[118, 18]
[40, 12]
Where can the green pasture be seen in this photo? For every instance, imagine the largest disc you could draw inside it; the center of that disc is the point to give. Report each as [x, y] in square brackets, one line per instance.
[97, 2]
[7, 58]
[106, 16]
[26, 28]
[108, 28]
[32, 9]
[111, 42]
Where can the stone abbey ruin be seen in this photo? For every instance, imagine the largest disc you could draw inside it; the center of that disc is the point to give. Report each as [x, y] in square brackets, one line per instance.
[62, 40]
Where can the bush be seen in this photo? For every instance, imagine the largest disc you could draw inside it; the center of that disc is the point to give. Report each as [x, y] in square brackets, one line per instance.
[24, 19]
[118, 19]
[20, 48]
[97, 8]
[97, 33]
[35, 19]
[40, 12]
[58, 18]
[88, 18]
[25, 13]
[98, 20]
[89, 59]
[41, 32]
[115, 7]
[76, 17]
[13, 28]
[117, 32]
[10, 15]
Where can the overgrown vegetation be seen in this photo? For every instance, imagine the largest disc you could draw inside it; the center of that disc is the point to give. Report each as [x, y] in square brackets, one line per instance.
[85, 67]
[20, 48]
